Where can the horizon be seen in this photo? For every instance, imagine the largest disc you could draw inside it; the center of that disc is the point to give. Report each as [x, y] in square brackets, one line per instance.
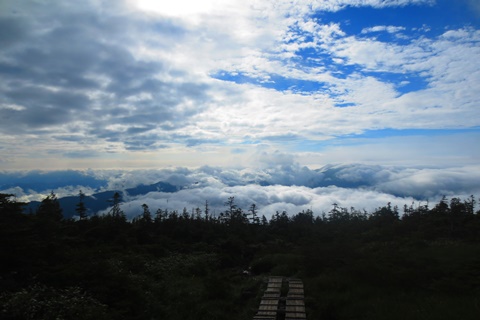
[281, 187]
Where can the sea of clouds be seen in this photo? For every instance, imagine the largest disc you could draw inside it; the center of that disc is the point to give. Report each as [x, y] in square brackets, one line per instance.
[285, 186]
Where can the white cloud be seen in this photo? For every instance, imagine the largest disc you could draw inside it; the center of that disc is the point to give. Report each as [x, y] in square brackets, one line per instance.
[285, 185]
[335, 5]
[389, 29]
[381, 185]
[268, 199]
[135, 88]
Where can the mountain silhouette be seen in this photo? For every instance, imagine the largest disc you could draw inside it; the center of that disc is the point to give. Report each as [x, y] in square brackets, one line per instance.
[102, 200]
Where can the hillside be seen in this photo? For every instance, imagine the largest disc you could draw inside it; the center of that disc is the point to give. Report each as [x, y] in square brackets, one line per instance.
[173, 265]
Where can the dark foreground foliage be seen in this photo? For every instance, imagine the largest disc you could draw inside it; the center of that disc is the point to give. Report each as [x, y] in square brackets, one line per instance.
[170, 265]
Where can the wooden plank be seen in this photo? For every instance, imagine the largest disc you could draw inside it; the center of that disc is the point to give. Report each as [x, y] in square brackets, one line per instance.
[295, 291]
[258, 317]
[274, 278]
[295, 315]
[295, 285]
[295, 309]
[274, 286]
[266, 307]
[295, 302]
[269, 302]
[267, 313]
[271, 295]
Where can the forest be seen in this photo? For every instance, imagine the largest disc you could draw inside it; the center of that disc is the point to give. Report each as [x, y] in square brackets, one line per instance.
[415, 262]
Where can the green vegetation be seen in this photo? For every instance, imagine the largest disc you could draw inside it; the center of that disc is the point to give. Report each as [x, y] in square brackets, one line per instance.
[422, 264]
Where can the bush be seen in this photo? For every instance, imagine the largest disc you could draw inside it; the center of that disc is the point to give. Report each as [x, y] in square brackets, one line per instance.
[42, 302]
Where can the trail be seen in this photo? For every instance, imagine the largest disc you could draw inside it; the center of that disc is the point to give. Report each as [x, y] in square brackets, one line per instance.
[282, 300]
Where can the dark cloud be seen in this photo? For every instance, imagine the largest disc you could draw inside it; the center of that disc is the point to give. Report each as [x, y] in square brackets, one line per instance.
[42, 107]
[197, 142]
[81, 154]
[12, 31]
[71, 138]
[149, 142]
[54, 59]
[142, 129]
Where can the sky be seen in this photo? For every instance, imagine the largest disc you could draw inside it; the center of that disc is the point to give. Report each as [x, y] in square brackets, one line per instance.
[139, 84]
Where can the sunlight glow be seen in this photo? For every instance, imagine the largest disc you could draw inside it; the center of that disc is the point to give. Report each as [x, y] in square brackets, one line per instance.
[177, 8]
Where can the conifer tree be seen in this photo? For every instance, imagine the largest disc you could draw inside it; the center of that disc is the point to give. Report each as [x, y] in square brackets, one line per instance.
[147, 216]
[207, 210]
[10, 206]
[50, 208]
[116, 211]
[80, 207]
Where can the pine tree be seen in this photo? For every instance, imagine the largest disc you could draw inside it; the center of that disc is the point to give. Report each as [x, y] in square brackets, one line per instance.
[9, 206]
[146, 216]
[253, 214]
[115, 211]
[50, 208]
[80, 207]
[207, 210]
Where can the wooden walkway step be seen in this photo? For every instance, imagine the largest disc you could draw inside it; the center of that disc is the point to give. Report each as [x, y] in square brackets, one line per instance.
[273, 306]
[295, 304]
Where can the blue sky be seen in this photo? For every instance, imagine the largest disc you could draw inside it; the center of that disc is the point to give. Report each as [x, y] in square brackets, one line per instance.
[151, 84]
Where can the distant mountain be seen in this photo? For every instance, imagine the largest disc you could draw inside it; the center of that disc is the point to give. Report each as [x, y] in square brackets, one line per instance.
[102, 200]
[94, 203]
[350, 176]
[156, 187]
[40, 181]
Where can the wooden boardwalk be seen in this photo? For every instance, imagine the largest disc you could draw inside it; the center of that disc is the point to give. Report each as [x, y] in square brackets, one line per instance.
[269, 304]
[274, 306]
[295, 302]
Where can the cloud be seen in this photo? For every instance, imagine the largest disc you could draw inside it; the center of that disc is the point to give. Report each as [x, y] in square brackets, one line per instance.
[136, 84]
[285, 186]
[78, 71]
[81, 154]
[359, 186]
[336, 5]
[12, 32]
[389, 29]
[430, 183]
[269, 199]
[36, 185]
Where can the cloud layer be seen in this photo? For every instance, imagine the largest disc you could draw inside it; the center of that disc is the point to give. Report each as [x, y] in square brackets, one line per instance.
[286, 185]
[107, 84]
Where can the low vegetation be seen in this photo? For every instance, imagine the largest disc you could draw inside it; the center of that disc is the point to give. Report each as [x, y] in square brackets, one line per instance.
[420, 263]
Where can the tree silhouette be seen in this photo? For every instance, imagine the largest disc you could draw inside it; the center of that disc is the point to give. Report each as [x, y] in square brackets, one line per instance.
[146, 215]
[207, 210]
[50, 209]
[253, 214]
[116, 211]
[80, 207]
[9, 206]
